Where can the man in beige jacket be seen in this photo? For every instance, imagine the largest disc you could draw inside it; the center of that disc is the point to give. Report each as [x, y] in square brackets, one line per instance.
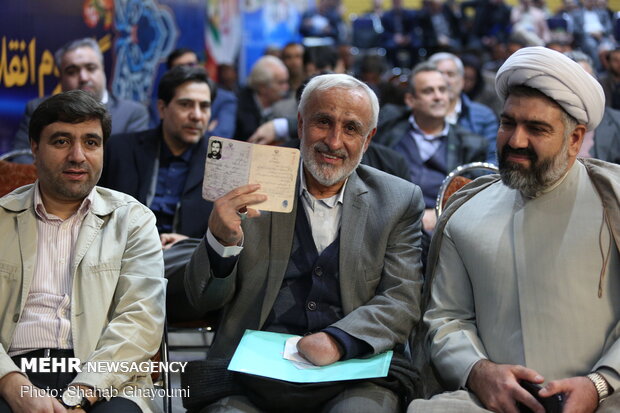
[81, 274]
[523, 271]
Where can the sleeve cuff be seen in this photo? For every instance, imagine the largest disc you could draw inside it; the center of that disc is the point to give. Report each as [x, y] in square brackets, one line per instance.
[352, 347]
[222, 250]
[222, 261]
[280, 125]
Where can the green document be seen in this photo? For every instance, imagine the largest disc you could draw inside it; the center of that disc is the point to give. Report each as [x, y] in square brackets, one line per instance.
[261, 353]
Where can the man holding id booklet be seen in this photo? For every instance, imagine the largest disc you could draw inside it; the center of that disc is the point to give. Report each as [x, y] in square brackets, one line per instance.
[341, 269]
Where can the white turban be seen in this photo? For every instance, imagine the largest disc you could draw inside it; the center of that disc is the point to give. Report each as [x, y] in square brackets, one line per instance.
[559, 78]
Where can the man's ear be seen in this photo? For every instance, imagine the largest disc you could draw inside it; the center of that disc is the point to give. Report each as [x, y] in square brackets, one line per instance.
[575, 140]
[161, 107]
[300, 124]
[409, 100]
[369, 138]
[34, 148]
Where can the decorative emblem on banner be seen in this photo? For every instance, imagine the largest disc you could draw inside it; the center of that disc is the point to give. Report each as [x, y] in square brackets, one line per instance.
[147, 34]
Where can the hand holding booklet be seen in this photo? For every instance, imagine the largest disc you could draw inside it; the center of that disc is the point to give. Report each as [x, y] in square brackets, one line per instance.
[231, 164]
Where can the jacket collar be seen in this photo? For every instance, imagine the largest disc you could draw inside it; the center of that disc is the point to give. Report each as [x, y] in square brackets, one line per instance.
[22, 199]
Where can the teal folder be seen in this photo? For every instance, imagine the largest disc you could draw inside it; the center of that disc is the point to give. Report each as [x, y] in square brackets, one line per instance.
[260, 353]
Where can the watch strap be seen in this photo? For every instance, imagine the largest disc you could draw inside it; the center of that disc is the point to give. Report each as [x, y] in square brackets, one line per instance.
[601, 385]
[84, 404]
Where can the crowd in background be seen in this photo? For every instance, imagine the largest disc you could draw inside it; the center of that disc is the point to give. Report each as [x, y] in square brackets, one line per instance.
[381, 46]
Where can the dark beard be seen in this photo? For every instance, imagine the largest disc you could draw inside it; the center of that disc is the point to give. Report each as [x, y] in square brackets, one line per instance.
[539, 176]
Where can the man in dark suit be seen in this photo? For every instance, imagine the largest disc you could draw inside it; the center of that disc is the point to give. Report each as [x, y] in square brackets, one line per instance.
[267, 84]
[163, 167]
[342, 269]
[421, 134]
[80, 63]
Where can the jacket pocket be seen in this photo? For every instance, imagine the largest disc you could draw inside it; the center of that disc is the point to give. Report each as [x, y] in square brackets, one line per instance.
[104, 267]
[8, 271]
[372, 273]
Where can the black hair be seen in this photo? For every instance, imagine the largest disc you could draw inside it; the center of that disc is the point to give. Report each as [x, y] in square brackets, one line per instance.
[178, 75]
[74, 106]
[176, 53]
[323, 57]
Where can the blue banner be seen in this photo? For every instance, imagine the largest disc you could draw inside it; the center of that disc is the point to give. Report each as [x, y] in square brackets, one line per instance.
[135, 36]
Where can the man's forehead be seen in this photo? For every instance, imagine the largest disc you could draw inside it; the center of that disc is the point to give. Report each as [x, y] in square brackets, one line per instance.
[279, 71]
[446, 65]
[87, 126]
[340, 92]
[198, 91]
[80, 55]
[293, 50]
[352, 104]
[429, 77]
[532, 108]
[186, 57]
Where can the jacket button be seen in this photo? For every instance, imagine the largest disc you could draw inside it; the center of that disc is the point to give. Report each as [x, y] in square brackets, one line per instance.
[318, 271]
[311, 306]
[16, 318]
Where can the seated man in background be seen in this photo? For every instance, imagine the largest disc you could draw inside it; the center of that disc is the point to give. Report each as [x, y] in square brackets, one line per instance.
[82, 271]
[163, 168]
[604, 142]
[293, 59]
[266, 85]
[80, 63]
[523, 271]
[472, 116]
[342, 269]
[432, 146]
[224, 105]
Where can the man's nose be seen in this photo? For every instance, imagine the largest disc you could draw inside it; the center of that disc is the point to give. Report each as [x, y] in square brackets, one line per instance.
[334, 138]
[519, 138]
[84, 75]
[196, 113]
[76, 154]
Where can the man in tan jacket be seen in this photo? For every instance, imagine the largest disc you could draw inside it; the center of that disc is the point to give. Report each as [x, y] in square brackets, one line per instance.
[81, 274]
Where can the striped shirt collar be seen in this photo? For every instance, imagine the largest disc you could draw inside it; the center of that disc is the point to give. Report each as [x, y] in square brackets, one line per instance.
[42, 213]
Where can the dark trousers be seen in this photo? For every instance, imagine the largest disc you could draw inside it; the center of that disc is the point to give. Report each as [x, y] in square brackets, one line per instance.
[59, 380]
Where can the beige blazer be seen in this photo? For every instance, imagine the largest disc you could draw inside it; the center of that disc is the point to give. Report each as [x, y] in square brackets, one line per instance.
[118, 293]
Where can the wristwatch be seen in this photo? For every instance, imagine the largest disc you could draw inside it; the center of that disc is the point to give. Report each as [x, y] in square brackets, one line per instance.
[601, 385]
[73, 398]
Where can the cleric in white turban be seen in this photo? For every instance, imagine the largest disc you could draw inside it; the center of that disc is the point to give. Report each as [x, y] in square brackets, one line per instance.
[559, 78]
[523, 271]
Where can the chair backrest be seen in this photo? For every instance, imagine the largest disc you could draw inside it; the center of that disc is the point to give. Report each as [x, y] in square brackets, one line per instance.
[14, 175]
[17, 153]
[455, 181]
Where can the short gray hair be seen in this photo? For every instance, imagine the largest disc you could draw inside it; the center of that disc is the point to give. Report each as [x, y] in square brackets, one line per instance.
[438, 57]
[419, 68]
[74, 44]
[580, 57]
[325, 82]
[262, 71]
